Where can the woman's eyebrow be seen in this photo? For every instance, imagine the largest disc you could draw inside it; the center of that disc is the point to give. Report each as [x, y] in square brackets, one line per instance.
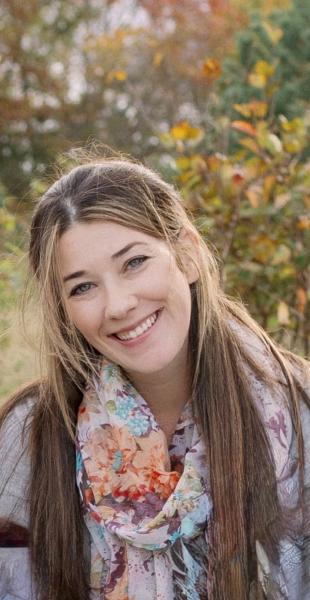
[74, 275]
[126, 249]
[117, 254]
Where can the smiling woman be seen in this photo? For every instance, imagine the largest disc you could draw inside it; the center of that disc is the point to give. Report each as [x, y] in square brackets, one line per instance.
[166, 453]
[133, 309]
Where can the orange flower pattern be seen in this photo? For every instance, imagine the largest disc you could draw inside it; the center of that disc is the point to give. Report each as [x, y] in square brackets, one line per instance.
[143, 502]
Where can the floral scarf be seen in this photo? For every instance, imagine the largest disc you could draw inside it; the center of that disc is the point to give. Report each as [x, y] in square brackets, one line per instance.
[146, 505]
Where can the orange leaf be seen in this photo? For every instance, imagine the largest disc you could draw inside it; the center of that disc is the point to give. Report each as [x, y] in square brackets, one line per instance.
[244, 126]
[254, 195]
[303, 223]
[269, 183]
[211, 68]
[214, 163]
[117, 75]
[301, 298]
[252, 109]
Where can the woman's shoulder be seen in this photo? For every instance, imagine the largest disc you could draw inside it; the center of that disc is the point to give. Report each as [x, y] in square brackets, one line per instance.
[273, 360]
[15, 459]
[17, 413]
[14, 428]
[273, 375]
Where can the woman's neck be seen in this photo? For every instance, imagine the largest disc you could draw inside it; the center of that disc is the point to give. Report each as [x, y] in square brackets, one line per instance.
[166, 393]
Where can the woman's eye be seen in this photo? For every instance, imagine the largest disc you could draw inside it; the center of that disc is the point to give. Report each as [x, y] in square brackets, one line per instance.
[81, 289]
[134, 263]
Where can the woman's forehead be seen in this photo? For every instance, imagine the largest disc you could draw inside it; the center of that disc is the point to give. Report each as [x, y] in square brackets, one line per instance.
[106, 233]
[88, 242]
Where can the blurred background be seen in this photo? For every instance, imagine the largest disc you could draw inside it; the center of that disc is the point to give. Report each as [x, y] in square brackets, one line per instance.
[213, 94]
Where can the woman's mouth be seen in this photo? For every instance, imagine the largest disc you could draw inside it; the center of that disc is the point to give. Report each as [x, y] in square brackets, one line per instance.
[138, 331]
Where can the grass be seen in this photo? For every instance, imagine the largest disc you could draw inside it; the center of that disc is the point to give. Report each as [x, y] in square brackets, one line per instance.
[18, 359]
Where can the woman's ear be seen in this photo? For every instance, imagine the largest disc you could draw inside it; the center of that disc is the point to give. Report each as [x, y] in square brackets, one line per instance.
[188, 250]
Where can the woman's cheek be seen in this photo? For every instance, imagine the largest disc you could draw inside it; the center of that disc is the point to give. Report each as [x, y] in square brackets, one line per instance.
[84, 315]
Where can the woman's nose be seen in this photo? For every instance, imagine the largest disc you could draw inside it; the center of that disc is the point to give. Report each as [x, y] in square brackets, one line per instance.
[118, 302]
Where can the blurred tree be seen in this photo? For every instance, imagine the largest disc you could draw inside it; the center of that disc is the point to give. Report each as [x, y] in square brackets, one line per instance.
[34, 85]
[116, 70]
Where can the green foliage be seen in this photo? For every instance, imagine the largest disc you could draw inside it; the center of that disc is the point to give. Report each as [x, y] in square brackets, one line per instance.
[252, 205]
[282, 40]
[249, 190]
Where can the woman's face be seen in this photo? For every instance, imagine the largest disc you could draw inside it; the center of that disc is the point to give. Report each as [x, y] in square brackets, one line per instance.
[126, 295]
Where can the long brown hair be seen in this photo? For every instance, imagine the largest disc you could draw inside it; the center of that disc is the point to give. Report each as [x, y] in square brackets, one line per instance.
[242, 472]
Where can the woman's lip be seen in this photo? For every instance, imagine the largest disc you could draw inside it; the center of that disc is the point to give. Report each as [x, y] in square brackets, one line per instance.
[139, 338]
[132, 327]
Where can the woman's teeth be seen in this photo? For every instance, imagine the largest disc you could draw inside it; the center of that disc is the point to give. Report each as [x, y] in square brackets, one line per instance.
[142, 328]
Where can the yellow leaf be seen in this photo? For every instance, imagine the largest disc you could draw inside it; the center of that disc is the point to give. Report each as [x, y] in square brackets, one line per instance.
[274, 33]
[261, 73]
[250, 144]
[283, 313]
[116, 75]
[185, 176]
[252, 109]
[157, 59]
[244, 126]
[296, 125]
[267, 140]
[258, 81]
[269, 183]
[184, 131]
[211, 68]
[264, 68]
[293, 145]
[286, 272]
[183, 163]
[194, 162]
